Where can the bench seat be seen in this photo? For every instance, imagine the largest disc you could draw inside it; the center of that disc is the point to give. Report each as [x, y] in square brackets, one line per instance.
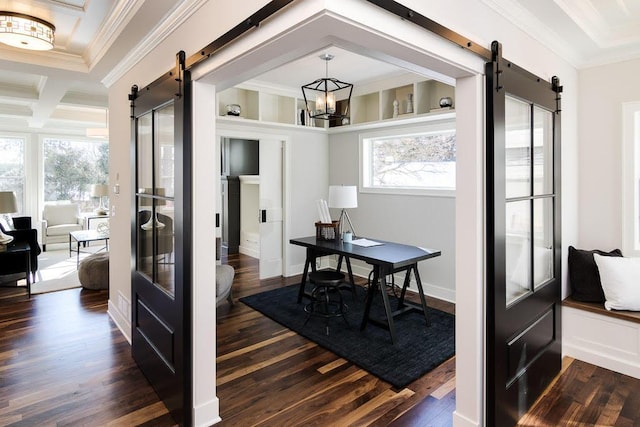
[609, 339]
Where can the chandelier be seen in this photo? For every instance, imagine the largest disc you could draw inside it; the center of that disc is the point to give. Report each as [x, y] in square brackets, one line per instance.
[25, 31]
[327, 92]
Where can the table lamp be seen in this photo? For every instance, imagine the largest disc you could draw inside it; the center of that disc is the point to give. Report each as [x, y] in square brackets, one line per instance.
[153, 222]
[343, 197]
[100, 190]
[8, 205]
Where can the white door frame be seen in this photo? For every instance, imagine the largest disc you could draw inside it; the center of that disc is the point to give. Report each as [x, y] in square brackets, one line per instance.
[239, 132]
[421, 52]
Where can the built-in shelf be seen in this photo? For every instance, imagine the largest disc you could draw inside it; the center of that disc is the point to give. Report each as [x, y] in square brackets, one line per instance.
[413, 100]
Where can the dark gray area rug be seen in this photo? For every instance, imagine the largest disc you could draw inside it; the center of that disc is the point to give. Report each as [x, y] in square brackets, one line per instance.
[418, 349]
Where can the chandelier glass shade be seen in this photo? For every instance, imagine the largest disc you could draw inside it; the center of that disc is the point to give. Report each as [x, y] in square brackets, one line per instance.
[324, 93]
[25, 31]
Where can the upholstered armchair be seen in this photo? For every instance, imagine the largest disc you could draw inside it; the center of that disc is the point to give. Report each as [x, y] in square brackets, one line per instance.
[58, 220]
[22, 232]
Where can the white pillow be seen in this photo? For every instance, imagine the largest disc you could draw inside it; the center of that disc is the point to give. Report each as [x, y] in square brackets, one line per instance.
[620, 278]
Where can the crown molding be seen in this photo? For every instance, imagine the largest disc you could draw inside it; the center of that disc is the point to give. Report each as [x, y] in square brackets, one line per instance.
[175, 18]
[532, 26]
[123, 12]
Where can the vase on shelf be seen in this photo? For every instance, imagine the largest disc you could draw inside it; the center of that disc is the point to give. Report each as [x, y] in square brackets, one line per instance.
[395, 108]
[446, 102]
[410, 103]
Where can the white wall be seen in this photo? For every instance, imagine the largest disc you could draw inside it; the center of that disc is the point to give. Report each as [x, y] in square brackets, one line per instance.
[414, 220]
[602, 91]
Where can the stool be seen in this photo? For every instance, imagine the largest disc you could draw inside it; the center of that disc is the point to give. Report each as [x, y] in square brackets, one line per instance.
[326, 282]
[224, 281]
[93, 272]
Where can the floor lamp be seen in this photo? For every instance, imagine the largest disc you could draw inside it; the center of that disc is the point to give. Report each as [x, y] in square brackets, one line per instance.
[8, 205]
[344, 197]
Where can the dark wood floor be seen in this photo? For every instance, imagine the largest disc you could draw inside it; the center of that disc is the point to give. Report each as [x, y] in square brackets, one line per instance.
[63, 362]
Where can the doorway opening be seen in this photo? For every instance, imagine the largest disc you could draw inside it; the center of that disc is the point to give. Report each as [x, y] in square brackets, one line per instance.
[252, 198]
[218, 76]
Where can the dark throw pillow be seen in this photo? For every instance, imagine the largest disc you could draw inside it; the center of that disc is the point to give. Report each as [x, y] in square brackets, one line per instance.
[584, 276]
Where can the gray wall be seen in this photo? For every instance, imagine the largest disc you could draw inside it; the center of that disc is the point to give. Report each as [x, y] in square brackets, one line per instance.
[424, 221]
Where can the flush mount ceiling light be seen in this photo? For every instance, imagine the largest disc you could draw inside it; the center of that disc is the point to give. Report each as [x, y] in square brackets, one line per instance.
[326, 91]
[25, 31]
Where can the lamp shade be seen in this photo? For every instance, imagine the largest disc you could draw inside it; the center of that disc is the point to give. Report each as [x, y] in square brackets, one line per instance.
[99, 190]
[343, 196]
[8, 202]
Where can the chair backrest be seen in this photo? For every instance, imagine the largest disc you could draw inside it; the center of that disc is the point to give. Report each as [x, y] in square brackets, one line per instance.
[61, 213]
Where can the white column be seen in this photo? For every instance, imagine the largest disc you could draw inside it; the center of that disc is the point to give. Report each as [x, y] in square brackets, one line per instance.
[205, 172]
[470, 264]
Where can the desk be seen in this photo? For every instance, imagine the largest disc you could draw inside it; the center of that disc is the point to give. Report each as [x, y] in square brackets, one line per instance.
[16, 258]
[385, 259]
[86, 236]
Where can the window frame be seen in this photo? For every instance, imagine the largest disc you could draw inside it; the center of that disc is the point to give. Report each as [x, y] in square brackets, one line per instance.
[445, 124]
[631, 178]
[27, 180]
[41, 161]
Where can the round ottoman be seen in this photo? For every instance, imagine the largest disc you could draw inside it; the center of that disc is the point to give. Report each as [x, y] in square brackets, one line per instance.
[94, 271]
[224, 281]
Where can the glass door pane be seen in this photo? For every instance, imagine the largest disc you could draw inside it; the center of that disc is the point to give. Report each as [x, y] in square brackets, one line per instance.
[164, 153]
[542, 151]
[145, 150]
[163, 250]
[542, 241]
[518, 249]
[517, 148]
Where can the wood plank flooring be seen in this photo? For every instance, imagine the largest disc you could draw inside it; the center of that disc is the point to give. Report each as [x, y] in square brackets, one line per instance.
[63, 362]
[285, 379]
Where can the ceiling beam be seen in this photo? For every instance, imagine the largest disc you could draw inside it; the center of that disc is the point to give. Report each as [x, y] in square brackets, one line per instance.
[51, 91]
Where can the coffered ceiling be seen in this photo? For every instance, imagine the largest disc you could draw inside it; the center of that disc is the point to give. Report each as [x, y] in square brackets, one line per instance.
[584, 32]
[63, 90]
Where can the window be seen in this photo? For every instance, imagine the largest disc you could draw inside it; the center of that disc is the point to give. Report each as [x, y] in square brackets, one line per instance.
[416, 161]
[12, 167]
[71, 167]
[631, 178]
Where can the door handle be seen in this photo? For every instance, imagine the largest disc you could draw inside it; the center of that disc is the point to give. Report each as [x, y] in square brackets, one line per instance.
[263, 215]
[217, 220]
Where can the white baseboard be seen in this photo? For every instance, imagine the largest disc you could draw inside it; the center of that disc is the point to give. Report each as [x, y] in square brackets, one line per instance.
[207, 414]
[250, 251]
[462, 421]
[603, 341]
[120, 320]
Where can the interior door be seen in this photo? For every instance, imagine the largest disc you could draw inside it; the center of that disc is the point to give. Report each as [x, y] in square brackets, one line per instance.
[523, 238]
[271, 162]
[161, 241]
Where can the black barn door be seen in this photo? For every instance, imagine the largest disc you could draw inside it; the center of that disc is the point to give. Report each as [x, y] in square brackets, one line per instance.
[160, 236]
[523, 238]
